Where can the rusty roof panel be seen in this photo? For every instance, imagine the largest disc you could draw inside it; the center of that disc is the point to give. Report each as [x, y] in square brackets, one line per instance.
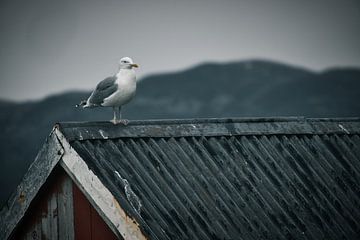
[299, 183]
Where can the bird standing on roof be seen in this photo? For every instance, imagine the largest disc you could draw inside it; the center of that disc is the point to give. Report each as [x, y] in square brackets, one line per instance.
[115, 91]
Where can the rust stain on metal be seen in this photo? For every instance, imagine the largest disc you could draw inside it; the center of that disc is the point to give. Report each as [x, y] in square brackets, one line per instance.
[122, 213]
[129, 221]
[21, 197]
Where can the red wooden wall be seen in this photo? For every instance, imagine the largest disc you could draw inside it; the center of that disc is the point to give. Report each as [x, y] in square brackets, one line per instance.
[61, 211]
[88, 223]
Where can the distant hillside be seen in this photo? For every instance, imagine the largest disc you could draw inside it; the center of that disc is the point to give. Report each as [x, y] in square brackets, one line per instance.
[249, 88]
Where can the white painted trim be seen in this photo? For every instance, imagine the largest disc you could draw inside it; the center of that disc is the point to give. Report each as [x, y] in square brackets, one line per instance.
[97, 194]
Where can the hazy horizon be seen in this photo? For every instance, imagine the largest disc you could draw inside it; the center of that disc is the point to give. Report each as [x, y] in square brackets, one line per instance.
[48, 47]
[90, 88]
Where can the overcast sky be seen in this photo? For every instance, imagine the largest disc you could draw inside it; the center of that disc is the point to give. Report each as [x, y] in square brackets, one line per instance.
[49, 46]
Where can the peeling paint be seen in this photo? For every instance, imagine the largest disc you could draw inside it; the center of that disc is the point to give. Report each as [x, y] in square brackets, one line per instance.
[103, 134]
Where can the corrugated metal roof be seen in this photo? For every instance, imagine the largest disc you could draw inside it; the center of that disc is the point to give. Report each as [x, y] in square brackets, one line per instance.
[230, 178]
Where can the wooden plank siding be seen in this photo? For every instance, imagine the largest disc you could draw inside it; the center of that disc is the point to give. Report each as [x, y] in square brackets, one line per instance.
[50, 215]
[36, 176]
[61, 211]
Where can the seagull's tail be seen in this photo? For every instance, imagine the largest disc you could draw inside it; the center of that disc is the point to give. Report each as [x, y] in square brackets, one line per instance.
[81, 104]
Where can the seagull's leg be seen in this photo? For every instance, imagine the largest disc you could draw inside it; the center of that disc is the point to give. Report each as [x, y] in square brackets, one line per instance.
[114, 121]
[123, 121]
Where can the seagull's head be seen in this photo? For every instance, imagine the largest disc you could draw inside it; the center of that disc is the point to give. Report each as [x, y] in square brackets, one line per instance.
[127, 63]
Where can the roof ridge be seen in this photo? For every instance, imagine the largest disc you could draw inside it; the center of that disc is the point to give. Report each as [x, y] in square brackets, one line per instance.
[212, 120]
[210, 127]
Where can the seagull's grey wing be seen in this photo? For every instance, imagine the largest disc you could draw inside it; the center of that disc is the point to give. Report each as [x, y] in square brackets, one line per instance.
[103, 90]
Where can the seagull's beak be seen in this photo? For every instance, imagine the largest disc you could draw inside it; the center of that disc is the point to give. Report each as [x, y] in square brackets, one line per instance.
[135, 65]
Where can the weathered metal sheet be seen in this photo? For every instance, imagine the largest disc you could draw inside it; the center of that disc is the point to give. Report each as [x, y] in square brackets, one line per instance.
[298, 183]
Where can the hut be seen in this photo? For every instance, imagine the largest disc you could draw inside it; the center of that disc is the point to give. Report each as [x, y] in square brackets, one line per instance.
[248, 178]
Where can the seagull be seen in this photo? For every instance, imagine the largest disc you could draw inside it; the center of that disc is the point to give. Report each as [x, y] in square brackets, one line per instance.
[114, 91]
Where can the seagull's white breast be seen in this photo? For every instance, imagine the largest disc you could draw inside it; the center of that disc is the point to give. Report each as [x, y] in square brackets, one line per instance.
[126, 81]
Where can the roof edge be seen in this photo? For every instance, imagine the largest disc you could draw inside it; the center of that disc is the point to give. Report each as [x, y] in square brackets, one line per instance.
[17, 205]
[97, 194]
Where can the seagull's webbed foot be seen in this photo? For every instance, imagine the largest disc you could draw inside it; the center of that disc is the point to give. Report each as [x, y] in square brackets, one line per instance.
[115, 120]
[124, 121]
[121, 121]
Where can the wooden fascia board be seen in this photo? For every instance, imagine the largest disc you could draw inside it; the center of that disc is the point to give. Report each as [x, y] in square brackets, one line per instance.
[97, 194]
